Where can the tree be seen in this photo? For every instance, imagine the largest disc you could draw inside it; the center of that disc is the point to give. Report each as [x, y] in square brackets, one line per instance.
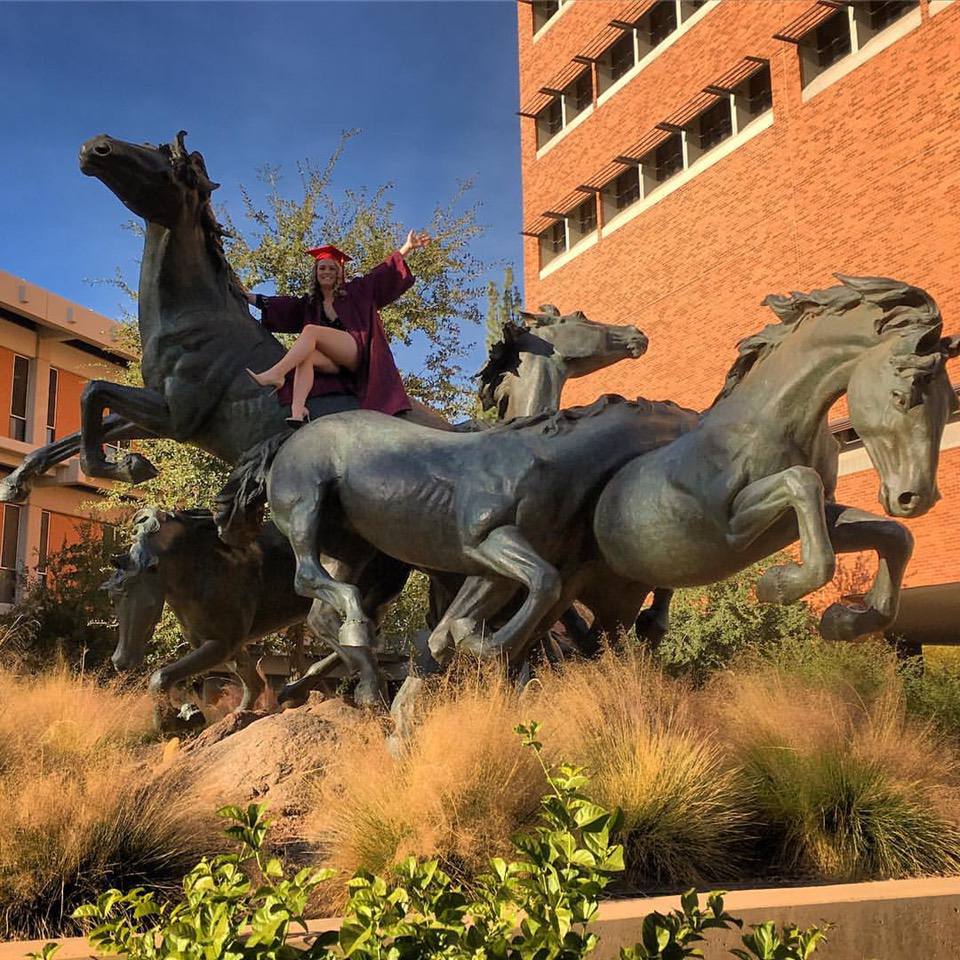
[503, 304]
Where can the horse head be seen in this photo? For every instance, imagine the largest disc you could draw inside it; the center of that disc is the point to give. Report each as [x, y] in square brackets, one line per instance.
[137, 589]
[900, 398]
[157, 183]
[583, 345]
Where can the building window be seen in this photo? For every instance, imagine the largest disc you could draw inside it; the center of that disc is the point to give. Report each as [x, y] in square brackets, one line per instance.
[43, 547]
[621, 192]
[563, 109]
[756, 93]
[544, 11]
[52, 405]
[660, 22]
[9, 546]
[667, 158]
[565, 234]
[846, 32]
[714, 125]
[616, 60]
[18, 398]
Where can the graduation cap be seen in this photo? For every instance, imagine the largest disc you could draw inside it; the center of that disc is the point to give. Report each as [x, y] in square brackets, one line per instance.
[329, 252]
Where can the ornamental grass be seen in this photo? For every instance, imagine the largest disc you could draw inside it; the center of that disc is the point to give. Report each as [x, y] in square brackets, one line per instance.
[80, 812]
[844, 787]
[635, 730]
[459, 790]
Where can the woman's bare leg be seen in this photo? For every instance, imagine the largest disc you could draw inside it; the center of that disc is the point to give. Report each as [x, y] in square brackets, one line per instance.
[303, 381]
[337, 345]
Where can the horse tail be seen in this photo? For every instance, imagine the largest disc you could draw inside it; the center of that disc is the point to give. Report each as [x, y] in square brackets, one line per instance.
[238, 507]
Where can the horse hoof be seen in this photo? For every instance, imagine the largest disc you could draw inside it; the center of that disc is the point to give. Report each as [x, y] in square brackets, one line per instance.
[840, 622]
[11, 491]
[367, 694]
[290, 696]
[134, 468]
[158, 683]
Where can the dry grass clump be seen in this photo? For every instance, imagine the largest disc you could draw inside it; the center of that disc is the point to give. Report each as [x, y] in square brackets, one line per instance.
[634, 730]
[462, 786]
[80, 811]
[847, 787]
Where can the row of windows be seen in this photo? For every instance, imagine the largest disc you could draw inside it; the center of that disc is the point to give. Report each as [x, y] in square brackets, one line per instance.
[840, 35]
[727, 116]
[636, 42]
[11, 518]
[17, 428]
[846, 31]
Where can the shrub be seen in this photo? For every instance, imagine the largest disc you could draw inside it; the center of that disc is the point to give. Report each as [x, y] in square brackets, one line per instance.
[80, 811]
[712, 626]
[633, 728]
[933, 693]
[846, 788]
[540, 907]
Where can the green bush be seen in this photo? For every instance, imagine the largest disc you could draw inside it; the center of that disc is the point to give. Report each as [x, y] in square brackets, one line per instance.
[537, 908]
[712, 626]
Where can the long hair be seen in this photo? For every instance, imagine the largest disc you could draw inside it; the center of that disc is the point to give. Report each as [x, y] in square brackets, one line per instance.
[338, 287]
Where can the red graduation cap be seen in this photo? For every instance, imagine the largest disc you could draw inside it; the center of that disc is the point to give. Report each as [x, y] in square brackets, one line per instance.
[329, 252]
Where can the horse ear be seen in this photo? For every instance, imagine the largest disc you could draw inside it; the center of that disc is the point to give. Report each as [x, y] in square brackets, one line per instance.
[178, 147]
[549, 309]
[204, 183]
[950, 346]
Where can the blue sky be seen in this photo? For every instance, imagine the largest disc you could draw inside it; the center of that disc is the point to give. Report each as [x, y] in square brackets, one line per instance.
[432, 86]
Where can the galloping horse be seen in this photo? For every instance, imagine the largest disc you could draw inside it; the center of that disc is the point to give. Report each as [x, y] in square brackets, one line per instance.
[758, 471]
[527, 369]
[509, 507]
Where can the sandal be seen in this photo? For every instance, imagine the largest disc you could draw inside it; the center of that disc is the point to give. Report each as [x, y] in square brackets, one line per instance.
[299, 421]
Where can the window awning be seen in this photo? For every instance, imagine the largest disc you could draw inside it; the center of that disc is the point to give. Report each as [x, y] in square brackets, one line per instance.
[795, 31]
[627, 13]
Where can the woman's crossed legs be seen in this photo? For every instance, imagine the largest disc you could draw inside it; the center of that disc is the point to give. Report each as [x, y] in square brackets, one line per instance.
[317, 348]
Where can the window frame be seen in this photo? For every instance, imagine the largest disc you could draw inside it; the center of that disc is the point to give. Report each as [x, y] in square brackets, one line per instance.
[21, 420]
[53, 382]
[10, 571]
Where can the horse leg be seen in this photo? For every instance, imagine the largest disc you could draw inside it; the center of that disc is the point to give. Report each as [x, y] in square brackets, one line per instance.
[302, 525]
[506, 552]
[477, 599]
[760, 505]
[653, 623]
[852, 530]
[16, 487]
[206, 656]
[147, 409]
[251, 682]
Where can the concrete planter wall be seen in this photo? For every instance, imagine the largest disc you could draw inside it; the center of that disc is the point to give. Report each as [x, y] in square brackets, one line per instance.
[889, 920]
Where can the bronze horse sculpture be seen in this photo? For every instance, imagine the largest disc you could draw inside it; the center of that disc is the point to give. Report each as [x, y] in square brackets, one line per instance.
[224, 597]
[527, 369]
[753, 474]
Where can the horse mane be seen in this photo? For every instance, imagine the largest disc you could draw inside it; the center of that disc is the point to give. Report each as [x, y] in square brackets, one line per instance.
[191, 169]
[504, 355]
[238, 507]
[558, 423]
[142, 554]
[905, 307]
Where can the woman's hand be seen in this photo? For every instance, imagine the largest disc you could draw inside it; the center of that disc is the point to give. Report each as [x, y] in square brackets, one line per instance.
[414, 241]
[251, 298]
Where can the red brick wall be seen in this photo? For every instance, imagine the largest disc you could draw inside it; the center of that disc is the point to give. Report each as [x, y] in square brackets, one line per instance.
[861, 179]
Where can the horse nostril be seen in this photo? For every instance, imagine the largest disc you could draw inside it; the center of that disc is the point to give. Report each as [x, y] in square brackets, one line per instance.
[908, 499]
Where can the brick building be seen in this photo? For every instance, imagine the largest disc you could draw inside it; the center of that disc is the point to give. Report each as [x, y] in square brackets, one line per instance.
[49, 347]
[682, 159]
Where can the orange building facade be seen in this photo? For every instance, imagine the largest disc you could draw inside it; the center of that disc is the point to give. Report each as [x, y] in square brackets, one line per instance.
[49, 348]
[682, 159]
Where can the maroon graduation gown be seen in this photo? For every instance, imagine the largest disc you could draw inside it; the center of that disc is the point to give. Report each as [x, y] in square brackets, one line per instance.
[376, 381]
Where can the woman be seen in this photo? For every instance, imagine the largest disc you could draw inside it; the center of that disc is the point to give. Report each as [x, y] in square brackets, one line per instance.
[342, 347]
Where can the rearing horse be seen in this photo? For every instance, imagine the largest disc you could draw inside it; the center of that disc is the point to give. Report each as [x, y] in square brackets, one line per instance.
[760, 470]
[196, 330]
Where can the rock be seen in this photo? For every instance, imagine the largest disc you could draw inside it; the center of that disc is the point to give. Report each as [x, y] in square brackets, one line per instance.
[263, 758]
